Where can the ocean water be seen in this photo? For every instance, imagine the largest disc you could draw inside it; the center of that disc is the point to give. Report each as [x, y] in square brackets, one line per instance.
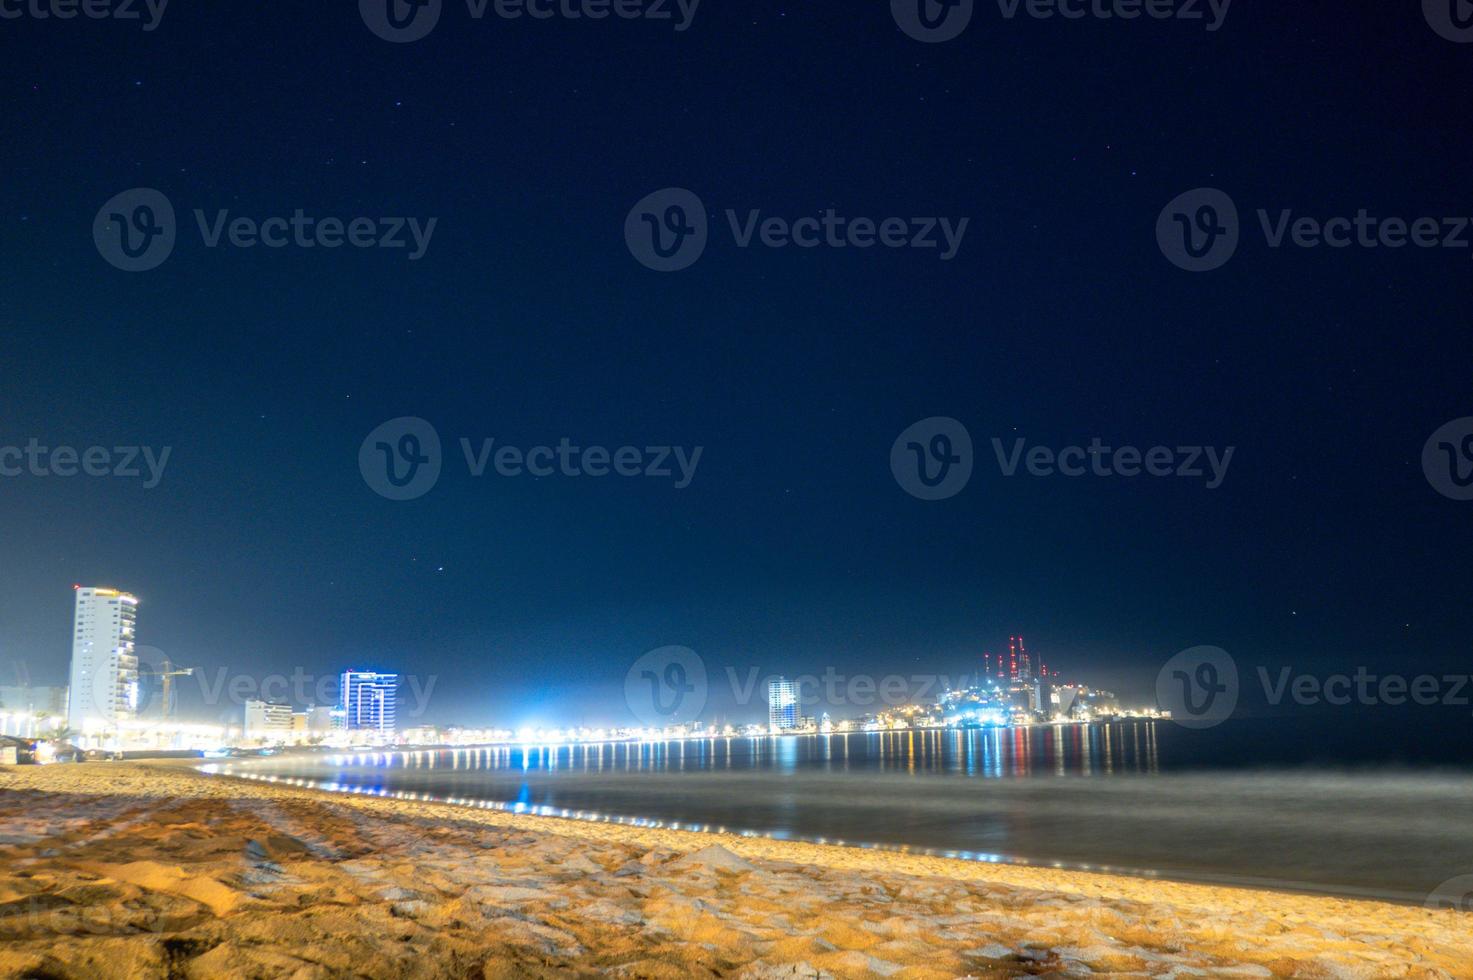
[1257, 804]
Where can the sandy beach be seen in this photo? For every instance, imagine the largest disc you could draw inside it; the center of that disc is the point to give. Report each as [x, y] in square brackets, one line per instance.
[135, 870]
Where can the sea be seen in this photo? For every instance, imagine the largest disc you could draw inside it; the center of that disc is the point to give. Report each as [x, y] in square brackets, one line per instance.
[1342, 804]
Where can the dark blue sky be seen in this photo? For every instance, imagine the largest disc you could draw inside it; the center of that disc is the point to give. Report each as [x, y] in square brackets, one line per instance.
[528, 321]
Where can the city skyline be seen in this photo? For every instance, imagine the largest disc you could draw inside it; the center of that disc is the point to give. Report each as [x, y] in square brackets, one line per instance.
[144, 679]
[45, 672]
[149, 683]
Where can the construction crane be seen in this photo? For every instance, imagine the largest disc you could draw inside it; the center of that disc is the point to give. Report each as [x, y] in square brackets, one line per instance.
[166, 672]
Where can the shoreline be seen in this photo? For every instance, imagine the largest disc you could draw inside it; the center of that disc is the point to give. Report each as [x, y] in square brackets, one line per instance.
[189, 874]
[1208, 879]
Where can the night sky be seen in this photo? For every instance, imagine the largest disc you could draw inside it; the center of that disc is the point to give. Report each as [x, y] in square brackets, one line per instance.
[527, 320]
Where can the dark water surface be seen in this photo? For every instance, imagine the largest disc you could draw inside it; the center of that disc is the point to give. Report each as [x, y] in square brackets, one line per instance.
[1141, 797]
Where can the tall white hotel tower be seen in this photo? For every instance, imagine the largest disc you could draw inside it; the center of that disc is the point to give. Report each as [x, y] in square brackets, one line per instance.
[104, 687]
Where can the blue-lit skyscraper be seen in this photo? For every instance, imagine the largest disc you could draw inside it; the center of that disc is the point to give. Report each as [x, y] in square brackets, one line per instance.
[368, 700]
[782, 705]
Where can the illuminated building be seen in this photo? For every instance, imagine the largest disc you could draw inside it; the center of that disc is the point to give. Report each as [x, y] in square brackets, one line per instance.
[367, 700]
[315, 721]
[1019, 665]
[782, 705]
[266, 720]
[1040, 697]
[104, 673]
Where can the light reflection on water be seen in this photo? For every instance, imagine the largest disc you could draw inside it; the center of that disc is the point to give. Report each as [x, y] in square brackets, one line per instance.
[1072, 796]
[995, 752]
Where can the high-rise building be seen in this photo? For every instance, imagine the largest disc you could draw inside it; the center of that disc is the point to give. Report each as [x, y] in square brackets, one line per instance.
[104, 675]
[368, 700]
[782, 705]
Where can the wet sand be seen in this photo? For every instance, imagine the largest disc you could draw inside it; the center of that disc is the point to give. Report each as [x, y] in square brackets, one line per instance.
[114, 870]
